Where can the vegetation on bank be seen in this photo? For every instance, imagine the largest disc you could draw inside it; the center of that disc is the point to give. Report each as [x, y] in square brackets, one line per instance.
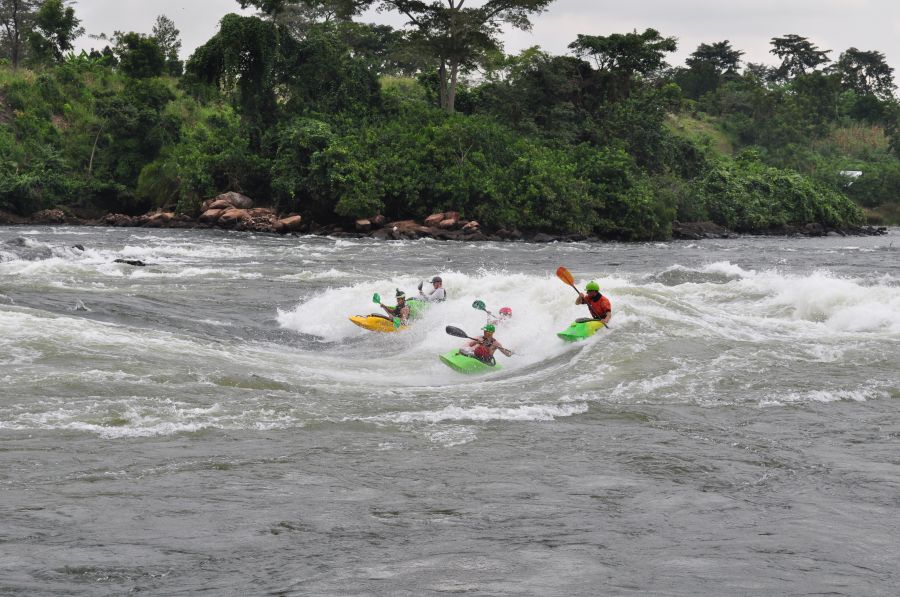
[336, 120]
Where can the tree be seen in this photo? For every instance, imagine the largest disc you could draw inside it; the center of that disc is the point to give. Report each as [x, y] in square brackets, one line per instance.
[798, 55]
[454, 36]
[866, 73]
[708, 65]
[242, 57]
[139, 55]
[166, 36]
[16, 17]
[55, 28]
[720, 55]
[624, 56]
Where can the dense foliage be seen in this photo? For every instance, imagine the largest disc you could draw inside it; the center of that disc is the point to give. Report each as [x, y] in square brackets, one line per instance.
[310, 112]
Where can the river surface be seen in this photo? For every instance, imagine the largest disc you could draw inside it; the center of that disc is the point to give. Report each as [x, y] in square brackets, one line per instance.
[213, 423]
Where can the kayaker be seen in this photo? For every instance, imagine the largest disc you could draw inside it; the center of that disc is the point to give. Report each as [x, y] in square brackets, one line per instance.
[505, 315]
[483, 348]
[401, 310]
[437, 293]
[598, 304]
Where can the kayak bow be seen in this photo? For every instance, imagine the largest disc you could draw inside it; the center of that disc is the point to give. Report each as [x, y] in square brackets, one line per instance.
[581, 329]
[466, 364]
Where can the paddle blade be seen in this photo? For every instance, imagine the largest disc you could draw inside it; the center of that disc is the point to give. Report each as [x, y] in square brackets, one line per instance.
[396, 323]
[565, 275]
[453, 331]
[376, 298]
[479, 305]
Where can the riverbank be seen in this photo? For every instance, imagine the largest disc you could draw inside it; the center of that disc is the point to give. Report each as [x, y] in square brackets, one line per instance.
[233, 211]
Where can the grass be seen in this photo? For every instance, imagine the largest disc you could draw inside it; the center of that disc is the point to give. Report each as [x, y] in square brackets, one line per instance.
[702, 129]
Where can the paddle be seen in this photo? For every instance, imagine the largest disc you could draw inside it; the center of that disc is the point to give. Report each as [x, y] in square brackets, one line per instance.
[454, 331]
[376, 298]
[567, 277]
[481, 307]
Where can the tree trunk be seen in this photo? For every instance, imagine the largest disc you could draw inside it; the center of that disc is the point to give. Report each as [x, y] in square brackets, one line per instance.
[451, 91]
[442, 75]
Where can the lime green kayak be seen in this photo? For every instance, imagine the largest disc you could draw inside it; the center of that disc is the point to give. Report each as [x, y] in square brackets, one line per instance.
[581, 329]
[466, 364]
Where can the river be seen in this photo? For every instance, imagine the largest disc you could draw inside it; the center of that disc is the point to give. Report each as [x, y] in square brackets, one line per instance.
[212, 422]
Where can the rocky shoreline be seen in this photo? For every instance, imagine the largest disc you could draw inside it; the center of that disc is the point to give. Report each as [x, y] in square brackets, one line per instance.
[233, 211]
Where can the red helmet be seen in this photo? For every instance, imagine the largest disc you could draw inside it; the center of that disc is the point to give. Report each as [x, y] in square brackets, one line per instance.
[505, 311]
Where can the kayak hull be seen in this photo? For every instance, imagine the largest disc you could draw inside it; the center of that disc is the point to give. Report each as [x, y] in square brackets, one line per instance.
[581, 330]
[466, 364]
[376, 323]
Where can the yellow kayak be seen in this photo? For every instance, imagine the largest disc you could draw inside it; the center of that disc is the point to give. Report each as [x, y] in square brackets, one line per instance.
[377, 323]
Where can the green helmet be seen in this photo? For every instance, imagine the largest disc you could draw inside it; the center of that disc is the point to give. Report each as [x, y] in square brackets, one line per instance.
[489, 328]
[592, 286]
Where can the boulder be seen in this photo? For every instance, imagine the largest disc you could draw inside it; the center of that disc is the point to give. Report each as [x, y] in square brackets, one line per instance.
[451, 215]
[363, 225]
[210, 216]
[378, 221]
[540, 237]
[230, 217]
[118, 220]
[434, 219]
[447, 224]
[471, 226]
[288, 224]
[236, 200]
[159, 219]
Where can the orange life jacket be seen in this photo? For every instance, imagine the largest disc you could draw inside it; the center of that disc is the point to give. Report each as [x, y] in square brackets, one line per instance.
[599, 307]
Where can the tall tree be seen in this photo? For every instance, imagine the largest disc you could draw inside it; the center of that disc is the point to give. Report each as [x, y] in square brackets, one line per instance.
[720, 55]
[625, 55]
[16, 18]
[55, 28]
[455, 36]
[798, 56]
[708, 65]
[166, 35]
[139, 55]
[866, 73]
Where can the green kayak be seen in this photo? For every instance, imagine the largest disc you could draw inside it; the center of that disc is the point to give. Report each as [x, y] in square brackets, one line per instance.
[581, 329]
[466, 364]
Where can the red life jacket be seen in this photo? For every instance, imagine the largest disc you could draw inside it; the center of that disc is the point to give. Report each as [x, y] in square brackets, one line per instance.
[482, 351]
[599, 307]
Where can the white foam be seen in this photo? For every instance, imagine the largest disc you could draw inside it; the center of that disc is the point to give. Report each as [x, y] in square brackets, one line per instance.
[525, 412]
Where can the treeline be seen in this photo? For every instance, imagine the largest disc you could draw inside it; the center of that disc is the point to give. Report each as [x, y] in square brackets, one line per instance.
[305, 109]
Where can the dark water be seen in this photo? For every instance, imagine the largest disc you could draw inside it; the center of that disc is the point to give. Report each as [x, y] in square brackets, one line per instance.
[213, 423]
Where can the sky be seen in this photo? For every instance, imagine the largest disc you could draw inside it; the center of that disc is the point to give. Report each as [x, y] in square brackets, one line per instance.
[748, 24]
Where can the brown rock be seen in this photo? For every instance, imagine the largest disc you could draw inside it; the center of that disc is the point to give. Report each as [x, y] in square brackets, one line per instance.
[378, 221]
[117, 220]
[230, 217]
[471, 226]
[159, 219]
[448, 224]
[211, 215]
[451, 215]
[219, 204]
[434, 219]
[363, 225]
[288, 224]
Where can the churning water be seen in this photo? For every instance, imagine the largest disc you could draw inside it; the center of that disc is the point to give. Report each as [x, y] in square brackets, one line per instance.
[213, 422]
